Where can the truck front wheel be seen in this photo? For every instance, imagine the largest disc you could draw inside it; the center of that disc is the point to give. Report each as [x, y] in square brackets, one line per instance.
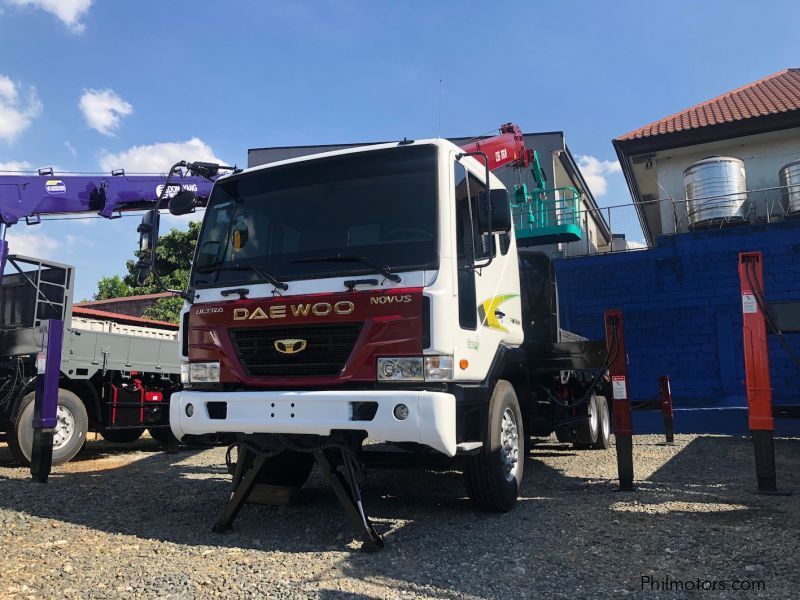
[494, 475]
[72, 423]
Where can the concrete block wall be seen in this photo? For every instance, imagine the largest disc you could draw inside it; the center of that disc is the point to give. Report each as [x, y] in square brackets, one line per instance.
[682, 310]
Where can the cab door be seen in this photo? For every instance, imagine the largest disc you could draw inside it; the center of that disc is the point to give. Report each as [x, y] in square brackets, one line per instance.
[489, 308]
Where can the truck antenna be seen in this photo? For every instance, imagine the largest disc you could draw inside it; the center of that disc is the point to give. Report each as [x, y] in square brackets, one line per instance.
[439, 125]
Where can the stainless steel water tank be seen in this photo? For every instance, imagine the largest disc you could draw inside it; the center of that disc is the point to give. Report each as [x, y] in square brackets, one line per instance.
[790, 182]
[716, 191]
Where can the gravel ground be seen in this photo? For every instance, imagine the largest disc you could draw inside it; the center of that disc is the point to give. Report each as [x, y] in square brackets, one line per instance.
[135, 522]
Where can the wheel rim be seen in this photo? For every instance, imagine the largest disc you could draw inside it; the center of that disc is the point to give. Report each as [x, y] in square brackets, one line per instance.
[65, 427]
[509, 445]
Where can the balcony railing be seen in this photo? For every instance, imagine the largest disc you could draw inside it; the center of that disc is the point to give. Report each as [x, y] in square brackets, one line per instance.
[763, 205]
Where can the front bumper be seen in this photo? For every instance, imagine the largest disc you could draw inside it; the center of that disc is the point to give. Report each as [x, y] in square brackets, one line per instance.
[431, 420]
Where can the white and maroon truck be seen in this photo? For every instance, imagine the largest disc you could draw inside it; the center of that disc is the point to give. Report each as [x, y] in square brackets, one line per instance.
[378, 293]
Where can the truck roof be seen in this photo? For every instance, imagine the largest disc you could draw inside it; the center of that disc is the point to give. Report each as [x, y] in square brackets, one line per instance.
[353, 150]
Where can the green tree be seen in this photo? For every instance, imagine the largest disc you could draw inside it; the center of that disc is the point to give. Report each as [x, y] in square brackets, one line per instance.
[173, 260]
[112, 287]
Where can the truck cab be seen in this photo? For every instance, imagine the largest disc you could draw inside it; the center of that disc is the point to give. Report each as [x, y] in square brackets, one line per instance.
[372, 292]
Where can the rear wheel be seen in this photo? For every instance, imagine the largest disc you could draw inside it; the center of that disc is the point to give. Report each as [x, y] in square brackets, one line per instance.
[604, 425]
[587, 431]
[494, 475]
[122, 436]
[69, 435]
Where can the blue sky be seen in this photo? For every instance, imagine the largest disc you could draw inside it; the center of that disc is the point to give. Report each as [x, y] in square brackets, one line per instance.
[88, 85]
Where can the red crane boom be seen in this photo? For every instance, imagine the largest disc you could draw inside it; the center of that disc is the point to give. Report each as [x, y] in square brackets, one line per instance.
[508, 148]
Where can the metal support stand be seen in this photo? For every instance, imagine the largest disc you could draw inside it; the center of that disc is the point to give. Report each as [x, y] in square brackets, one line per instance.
[756, 366]
[45, 404]
[666, 408]
[248, 466]
[344, 484]
[621, 404]
[347, 491]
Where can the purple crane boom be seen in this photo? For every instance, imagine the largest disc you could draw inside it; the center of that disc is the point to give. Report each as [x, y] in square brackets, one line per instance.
[30, 196]
[24, 196]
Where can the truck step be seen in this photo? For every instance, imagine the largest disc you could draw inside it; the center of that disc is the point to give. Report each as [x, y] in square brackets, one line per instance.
[468, 447]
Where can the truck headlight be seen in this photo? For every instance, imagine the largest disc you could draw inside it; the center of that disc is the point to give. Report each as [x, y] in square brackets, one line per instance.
[200, 372]
[400, 369]
[415, 368]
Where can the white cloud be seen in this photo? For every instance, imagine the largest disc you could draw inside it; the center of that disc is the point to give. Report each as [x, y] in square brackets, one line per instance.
[68, 12]
[32, 243]
[16, 112]
[16, 165]
[158, 158]
[104, 109]
[595, 171]
[70, 148]
[78, 240]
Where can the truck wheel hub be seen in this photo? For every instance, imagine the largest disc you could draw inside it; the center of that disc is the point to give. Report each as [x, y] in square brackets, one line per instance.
[509, 444]
[65, 427]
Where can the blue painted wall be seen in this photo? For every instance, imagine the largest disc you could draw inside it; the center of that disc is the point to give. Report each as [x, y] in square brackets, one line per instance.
[682, 310]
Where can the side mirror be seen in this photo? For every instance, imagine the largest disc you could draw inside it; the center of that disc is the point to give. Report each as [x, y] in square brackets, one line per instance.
[182, 203]
[204, 169]
[499, 221]
[148, 239]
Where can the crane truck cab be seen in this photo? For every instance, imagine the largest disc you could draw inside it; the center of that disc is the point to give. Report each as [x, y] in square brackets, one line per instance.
[367, 293]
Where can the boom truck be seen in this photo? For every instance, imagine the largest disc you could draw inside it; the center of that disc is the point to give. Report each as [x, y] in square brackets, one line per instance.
[114, 383]
[381, 293]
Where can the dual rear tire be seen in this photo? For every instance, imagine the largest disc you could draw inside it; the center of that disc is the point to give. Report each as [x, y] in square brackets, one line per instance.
[594, 433]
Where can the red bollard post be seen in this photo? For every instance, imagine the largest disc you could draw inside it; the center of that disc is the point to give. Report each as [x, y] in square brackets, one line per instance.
[756, 367]
[620, 402]
[666, 408]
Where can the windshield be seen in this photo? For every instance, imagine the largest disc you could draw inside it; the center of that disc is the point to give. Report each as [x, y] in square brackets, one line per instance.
[379, 205]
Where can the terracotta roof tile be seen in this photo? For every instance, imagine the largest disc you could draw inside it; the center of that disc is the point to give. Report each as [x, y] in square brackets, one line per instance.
[777, 93]
[82, 311]
[156, 296]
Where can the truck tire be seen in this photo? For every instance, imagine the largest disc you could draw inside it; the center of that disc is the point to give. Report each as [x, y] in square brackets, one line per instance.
[586, 432]
[122, 436]
[68, 438]
[494, 475]
[604, 422]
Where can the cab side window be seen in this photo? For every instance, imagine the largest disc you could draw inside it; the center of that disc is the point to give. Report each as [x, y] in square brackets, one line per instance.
[465, 249]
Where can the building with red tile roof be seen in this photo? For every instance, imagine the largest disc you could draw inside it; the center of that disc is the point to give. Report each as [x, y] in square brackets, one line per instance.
[758, 123]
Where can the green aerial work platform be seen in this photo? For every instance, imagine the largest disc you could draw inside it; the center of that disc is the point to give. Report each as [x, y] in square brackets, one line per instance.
[545, 215]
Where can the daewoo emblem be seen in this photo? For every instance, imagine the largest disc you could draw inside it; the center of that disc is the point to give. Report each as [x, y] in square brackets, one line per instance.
[290, 346]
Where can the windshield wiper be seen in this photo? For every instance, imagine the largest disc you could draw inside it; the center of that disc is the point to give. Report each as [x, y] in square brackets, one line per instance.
[385, 271]
[248, 267]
